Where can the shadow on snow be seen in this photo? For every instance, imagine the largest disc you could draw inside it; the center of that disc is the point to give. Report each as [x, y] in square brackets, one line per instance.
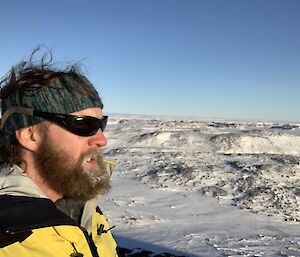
[135, 248]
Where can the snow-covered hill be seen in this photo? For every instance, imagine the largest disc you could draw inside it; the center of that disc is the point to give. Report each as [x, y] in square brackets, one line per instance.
[205, 188]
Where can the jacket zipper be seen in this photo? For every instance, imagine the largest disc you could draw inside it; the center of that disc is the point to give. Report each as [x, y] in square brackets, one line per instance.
[90, 242]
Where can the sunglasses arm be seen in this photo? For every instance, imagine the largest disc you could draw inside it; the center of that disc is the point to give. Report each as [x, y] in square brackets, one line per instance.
[15, 109]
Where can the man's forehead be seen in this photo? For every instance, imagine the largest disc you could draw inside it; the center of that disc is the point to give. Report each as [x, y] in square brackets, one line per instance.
[93, 111]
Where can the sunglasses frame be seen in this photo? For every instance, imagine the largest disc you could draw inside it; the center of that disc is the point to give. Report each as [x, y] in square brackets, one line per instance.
[67, 121]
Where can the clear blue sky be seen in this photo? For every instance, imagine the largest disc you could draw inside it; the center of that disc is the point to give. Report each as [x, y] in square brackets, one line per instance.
[235, 59]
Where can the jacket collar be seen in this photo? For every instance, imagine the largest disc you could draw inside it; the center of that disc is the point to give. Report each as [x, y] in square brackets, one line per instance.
[14, 181]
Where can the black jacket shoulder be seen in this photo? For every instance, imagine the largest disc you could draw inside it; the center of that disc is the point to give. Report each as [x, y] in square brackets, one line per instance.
[21, 213]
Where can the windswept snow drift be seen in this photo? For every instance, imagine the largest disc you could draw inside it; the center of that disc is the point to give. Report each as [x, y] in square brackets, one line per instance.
[254, 167]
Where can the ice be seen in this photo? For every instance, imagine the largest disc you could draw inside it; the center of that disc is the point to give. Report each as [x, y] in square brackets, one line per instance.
[205, 188]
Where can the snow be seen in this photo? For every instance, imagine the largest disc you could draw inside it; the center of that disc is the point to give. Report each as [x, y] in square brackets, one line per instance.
[204, 188]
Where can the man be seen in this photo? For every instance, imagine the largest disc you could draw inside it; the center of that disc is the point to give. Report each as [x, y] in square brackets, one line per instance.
[52, 173]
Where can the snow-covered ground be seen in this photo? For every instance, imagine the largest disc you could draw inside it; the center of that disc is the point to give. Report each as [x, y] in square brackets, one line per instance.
[204, 188]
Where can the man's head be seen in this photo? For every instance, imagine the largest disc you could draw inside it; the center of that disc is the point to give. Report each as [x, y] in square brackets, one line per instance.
[44, 89]
[51, 124]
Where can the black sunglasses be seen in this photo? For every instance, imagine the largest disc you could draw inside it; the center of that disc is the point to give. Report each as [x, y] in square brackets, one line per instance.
[80, 125]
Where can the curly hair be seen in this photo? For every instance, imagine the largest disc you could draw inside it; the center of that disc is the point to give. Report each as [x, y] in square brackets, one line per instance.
[31, 72]
[21, 78]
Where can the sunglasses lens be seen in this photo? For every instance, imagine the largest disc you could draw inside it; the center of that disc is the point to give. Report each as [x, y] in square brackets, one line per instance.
[103, 123]
[87, 126]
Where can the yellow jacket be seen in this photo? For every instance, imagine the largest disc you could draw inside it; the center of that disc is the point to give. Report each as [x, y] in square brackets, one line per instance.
[33, 226]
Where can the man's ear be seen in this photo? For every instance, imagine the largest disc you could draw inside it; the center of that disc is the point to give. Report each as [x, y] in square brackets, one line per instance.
[28, 138]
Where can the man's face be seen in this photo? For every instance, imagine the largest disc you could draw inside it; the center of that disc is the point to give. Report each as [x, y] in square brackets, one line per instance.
[73, 165]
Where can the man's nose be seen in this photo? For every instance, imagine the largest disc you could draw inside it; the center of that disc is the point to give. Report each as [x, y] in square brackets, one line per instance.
[98, 139]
